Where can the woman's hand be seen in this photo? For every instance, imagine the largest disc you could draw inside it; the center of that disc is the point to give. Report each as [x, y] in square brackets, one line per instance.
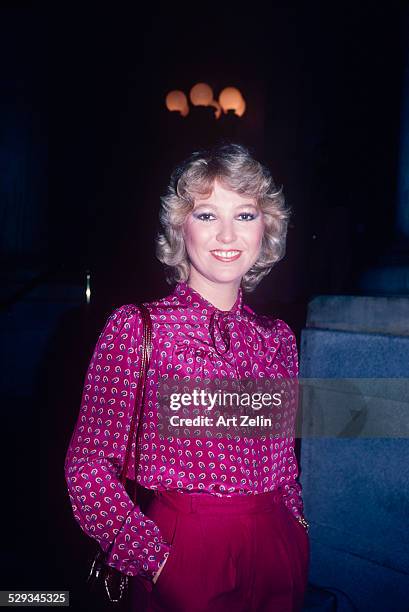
[156, 576]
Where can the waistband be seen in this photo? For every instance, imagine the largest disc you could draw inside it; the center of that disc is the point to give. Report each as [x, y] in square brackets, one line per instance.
[187, 502]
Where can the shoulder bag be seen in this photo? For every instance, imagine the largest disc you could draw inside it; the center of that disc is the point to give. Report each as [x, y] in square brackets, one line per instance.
[116, 582]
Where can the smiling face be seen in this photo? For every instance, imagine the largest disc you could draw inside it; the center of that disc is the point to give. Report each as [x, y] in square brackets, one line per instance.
[223, 236]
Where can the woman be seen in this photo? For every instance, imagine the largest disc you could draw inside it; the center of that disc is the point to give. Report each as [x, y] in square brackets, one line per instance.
[224, 529]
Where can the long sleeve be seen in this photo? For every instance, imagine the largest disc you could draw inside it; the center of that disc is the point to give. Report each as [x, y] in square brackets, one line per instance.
[96, 452]
[292, 489]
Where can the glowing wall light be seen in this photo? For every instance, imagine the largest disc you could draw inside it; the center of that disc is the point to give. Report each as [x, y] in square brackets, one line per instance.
[231, 99]
[201, 94]
[176, 100]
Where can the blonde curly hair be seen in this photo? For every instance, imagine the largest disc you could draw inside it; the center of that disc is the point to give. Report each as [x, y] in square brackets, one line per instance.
[233, 166]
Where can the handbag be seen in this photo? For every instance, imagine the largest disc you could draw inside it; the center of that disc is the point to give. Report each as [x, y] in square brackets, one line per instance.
[115, 581]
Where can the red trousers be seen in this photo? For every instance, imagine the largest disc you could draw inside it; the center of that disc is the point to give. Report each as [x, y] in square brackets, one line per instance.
[243, 553]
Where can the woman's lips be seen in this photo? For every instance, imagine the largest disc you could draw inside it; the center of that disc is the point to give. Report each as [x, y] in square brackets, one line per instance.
[226, 256]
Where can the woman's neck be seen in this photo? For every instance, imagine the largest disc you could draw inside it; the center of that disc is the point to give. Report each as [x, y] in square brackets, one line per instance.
[222, 295]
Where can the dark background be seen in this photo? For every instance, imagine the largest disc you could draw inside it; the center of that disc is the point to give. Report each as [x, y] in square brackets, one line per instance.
[86, 149]
[323, 89]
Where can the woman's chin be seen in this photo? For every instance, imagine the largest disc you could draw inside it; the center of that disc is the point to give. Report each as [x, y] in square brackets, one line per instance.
[223, 273]
[227, 277]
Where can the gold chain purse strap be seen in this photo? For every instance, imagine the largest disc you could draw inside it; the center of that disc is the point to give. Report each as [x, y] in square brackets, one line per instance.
[116, 582]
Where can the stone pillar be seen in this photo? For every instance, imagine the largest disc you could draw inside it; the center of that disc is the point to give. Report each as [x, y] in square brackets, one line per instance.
[354, 365]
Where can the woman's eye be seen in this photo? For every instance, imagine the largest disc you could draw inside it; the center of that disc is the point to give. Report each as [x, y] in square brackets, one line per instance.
[247, 216]
[204, 216]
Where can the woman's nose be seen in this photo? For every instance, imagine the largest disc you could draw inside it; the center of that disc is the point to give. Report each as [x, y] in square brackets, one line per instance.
[226, 233]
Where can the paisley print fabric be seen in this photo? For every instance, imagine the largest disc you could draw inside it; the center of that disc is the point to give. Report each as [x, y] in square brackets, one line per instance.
[191, 338]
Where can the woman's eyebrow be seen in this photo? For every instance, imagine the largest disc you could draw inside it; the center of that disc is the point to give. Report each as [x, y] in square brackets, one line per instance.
[211, 205]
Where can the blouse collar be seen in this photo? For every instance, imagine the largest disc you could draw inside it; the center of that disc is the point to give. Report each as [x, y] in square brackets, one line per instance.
[191, 297]
[222, 322]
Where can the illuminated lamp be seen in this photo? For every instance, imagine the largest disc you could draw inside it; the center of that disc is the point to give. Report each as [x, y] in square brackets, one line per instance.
[201, 95]
[231, 99]
[176, 100]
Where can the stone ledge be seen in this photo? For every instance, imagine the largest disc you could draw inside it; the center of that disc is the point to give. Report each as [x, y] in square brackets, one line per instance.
[366, 314]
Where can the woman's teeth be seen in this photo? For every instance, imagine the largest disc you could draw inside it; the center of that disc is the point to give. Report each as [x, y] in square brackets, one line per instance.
[229, 255]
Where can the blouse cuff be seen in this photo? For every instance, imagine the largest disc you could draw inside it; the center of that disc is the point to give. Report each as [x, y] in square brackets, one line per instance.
[141, 558]
[293, 501]
[145, 571]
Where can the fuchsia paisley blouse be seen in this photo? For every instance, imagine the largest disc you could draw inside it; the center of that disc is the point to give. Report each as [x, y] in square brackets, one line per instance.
[190, 337]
